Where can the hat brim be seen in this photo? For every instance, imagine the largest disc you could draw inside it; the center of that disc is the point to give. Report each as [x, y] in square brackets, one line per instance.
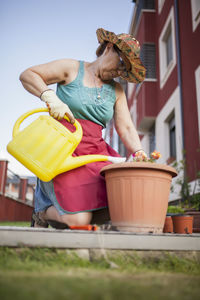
[137, 72]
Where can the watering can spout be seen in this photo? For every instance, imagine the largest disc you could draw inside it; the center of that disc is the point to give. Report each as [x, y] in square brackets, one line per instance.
[78, 161]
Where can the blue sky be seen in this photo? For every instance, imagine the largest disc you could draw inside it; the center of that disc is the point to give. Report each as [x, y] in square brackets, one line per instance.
[39, 31]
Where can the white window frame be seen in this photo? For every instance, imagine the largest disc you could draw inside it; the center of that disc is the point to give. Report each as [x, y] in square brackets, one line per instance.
[160, 5]
[162, 127]
[165, 71]
[195, 9]
[197, 79]
[162, 133]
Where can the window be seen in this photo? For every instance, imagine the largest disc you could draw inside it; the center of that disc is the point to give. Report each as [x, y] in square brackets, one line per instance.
[169, 54]
[167, 51]
[148, 57]
[195, 7]
[172, 138]
[152, 139]
[144, 4]
[160, 5]
[171, 110]
[197, 77]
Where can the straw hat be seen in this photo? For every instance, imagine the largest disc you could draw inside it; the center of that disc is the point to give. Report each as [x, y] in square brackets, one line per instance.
[130, 47]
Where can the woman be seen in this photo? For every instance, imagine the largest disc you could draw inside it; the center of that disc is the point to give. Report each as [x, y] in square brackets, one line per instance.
[86, 91]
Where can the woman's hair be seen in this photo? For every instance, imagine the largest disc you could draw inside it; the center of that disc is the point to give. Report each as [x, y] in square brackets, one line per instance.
[102, 47]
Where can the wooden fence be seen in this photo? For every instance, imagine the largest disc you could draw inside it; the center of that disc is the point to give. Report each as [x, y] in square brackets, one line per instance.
[14, 208]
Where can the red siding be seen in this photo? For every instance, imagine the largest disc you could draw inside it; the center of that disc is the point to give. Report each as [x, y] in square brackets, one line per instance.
[149, 30]
[167, 90]
[146, 101]
[12, 210]
[161, 18]
[190, 60]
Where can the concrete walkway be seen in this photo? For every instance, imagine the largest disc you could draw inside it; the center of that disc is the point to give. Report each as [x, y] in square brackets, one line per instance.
[71, 239]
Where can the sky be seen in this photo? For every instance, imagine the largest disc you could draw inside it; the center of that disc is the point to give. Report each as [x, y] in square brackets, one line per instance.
[38, 31]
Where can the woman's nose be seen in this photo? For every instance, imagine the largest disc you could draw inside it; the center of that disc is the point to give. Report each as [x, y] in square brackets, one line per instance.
[122, 73]
[114, 73]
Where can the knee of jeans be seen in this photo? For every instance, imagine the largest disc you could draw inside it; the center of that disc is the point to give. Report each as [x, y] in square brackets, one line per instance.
[77, 219]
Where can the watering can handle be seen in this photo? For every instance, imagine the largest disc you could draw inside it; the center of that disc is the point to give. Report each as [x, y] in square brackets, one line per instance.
[33, 111]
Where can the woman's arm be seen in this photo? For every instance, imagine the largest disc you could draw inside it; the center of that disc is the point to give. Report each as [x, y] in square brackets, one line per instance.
[37, 78]
[123, 123]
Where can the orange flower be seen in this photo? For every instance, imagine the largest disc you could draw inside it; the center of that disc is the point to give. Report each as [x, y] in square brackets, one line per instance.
[140, 156]
[155, 155]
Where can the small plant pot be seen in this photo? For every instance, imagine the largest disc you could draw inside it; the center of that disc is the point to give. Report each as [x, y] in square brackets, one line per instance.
[183, 224]
[196, 221]
[168, 226]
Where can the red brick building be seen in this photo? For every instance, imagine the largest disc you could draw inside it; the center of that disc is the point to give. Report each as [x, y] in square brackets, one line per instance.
[166, 106]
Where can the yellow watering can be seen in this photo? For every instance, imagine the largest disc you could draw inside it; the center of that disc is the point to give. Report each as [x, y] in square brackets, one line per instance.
[45, 146]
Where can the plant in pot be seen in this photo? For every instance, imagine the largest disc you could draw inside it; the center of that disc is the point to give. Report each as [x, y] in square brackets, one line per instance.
[138, 194]
[171, 211]
[174, 210]
[189, 196]
[182, 223]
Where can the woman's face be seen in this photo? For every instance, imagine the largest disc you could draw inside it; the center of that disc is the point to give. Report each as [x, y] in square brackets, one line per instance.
[113, 63]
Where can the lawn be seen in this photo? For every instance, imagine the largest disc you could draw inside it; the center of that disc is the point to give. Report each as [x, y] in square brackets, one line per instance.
[19, 224]
[63, 274]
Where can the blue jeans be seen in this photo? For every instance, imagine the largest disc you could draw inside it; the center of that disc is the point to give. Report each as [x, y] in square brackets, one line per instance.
[45, 197]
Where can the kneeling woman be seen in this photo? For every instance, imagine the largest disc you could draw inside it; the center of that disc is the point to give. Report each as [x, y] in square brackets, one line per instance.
[86, 91]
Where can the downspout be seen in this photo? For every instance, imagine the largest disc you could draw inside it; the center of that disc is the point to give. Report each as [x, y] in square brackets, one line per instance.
[179, 70]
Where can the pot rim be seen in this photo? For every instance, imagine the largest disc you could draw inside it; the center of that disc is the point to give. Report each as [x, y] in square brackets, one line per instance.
[181, 215]
[139, 165]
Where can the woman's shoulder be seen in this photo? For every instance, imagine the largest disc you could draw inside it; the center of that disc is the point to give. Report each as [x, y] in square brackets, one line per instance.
[70, 69]
[69, 63]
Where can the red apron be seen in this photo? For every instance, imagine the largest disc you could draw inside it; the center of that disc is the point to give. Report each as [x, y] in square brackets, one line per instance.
[84, 189]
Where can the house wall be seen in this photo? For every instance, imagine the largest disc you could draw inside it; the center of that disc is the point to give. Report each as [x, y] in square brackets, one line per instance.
[190, 61]
[164, 94]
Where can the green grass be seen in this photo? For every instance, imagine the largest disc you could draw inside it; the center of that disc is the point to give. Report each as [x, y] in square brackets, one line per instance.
[37, 259]
[97, 285]
[20, 224]
[35, 273]
[48, 274]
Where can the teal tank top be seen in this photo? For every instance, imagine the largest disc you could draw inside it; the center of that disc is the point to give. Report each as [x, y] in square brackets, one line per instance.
[84, 101]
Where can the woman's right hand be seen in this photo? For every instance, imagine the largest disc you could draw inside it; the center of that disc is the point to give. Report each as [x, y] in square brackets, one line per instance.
[57, 108]
[139, 155]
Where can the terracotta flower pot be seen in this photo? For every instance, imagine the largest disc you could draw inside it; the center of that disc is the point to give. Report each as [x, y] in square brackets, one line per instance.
[183, 224]
[138, 195]
[168, 225]
[196, 220]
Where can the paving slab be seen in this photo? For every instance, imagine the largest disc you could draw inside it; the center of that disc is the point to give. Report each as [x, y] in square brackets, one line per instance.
[79, 239]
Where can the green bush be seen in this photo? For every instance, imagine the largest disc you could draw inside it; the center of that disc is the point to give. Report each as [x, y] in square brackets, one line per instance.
[175, 210]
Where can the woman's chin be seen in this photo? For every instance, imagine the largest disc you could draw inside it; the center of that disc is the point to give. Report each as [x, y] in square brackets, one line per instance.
[107, 77]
